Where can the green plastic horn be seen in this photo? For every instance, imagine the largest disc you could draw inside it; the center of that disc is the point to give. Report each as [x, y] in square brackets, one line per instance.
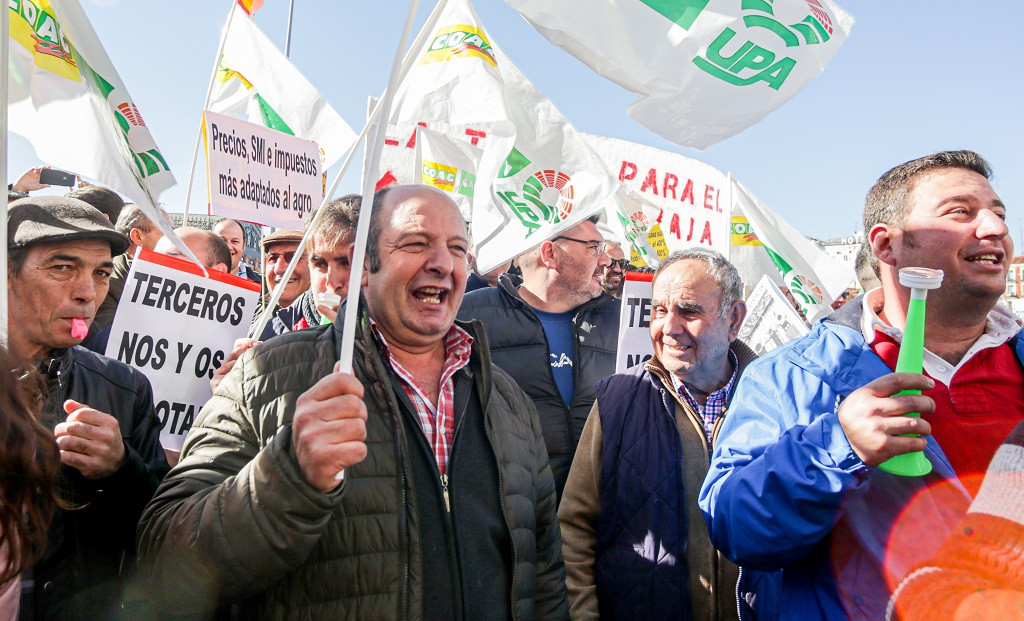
[911, 359]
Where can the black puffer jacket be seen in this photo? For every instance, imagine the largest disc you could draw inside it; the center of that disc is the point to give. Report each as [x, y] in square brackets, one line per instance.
[236, 519]
[520, 348]
[89, 550]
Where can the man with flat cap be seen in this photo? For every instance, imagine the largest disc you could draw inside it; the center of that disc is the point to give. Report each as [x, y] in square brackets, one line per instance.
[60, 255]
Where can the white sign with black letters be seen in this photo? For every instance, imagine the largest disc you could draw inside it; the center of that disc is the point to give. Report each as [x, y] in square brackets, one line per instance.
[635, 322]
[258, 174]
[176, 327]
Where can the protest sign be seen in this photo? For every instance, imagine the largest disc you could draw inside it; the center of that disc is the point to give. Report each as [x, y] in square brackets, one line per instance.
[771, 319]
[258, 174]
[176, 327]
[635, 322]
[690, 196]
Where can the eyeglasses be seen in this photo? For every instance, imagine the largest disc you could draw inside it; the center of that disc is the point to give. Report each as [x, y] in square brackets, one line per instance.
[597, 247]
[620, 263]
[272, 257]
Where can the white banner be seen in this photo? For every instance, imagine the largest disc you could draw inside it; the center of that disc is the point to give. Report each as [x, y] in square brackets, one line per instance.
[260, 175]
[635, 322]
[771, 319]
[176, 327]
[690, 197]
[704, 69]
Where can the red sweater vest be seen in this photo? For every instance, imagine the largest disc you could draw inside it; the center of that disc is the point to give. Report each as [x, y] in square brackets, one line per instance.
[976, 412]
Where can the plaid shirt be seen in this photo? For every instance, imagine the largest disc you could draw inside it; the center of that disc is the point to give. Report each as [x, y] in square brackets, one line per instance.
[438, 421]
[717, 401]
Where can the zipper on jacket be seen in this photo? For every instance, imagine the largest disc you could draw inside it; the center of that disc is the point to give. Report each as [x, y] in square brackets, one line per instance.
[444, 490]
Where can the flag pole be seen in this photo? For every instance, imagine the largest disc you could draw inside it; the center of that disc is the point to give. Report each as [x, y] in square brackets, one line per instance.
[5, 29]
[288, 34]
[206, 104]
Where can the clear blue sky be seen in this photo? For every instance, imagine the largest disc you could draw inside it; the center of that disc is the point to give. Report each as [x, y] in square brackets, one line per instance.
[914, 77]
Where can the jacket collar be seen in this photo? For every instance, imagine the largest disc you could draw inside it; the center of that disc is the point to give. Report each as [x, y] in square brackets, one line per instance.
[744, 356]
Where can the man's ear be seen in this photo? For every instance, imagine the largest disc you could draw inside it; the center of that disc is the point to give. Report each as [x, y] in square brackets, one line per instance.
[136, 236]
[548, 256]
[736, 315]
[365, 279]
[881, 238]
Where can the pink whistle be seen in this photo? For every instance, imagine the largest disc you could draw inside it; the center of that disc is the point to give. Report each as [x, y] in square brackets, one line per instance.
[78, 328]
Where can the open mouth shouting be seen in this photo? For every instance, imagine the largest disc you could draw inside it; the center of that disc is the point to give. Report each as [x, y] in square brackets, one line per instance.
[431, 295]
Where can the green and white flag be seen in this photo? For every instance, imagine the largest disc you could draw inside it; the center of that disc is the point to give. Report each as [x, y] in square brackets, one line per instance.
[814, 278]
[255, 79]
[449, 165]
[544, 178]
[704, 69]
[67, 99]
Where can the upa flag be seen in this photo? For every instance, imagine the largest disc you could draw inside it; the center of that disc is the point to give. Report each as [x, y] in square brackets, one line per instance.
[814, 278]
[254, 78]
[67, 99]
[541, 179]
[704, 69]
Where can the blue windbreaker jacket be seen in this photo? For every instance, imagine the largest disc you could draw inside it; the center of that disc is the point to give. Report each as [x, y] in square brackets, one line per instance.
[786, 491]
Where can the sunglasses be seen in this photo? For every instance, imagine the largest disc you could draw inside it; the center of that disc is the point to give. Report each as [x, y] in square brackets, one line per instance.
[622, 264]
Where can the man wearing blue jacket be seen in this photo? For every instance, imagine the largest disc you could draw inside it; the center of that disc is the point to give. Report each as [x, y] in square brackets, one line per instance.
[794, 484]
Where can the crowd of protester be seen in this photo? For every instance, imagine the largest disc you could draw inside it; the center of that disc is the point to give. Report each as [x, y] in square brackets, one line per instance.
[483, 460]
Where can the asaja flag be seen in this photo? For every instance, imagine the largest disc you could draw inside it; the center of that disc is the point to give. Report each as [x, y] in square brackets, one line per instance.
[254, 78]
[704, 69]
[814, 278]
[627, 218]
[449, 165]
[67, 99]
[537, 177]
[691, 207]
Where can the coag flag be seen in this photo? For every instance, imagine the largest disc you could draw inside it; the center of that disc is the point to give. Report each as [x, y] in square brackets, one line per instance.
[256, 79]
[543, 179]
[814, 278]
[704, 69]
[449, 165]
[67, 99]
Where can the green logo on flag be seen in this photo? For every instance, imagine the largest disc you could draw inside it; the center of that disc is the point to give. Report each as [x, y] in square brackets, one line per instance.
[682, 12]
[751, 63]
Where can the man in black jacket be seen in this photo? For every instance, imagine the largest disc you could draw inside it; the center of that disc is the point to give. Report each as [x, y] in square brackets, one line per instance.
[556, 334]
[59, 261]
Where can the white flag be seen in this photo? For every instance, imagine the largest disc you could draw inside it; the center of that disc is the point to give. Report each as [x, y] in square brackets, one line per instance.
[814, 278]
[256, 79]
[704, 69]
[67, 99]
[545, 179]
[449, 165]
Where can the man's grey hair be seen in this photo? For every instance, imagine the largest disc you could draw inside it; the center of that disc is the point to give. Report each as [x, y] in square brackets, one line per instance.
[719, 268]
[132, 217]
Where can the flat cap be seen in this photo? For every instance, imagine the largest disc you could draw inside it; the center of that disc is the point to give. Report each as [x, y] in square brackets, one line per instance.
[281, 235]
[51, 219]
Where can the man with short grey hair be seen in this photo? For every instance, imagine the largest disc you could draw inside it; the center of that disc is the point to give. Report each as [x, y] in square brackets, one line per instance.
[630, 503]
[556, 334]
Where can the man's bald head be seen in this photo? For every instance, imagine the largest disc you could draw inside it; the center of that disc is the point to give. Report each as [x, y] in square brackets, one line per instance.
[208, 247]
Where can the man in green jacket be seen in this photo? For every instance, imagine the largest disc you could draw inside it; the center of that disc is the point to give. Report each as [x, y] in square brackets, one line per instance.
[447, 507]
